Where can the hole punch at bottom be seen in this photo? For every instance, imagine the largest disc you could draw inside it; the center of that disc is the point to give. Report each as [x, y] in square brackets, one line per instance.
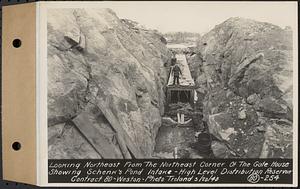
[16, 146]
[17, 43]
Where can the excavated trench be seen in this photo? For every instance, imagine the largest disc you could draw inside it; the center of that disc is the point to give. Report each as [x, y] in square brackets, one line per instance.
[188, 138]
[183, 133]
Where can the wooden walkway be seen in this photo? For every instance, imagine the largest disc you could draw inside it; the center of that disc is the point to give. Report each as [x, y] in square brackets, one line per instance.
[185, 79]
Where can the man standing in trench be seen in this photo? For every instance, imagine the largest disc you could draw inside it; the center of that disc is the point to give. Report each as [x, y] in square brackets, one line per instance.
[176, 72]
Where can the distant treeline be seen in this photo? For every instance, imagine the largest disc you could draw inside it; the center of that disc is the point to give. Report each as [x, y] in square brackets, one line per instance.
[181, 37]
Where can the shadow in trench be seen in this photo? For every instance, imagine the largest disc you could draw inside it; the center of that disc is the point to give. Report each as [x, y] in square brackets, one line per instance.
[183, 138]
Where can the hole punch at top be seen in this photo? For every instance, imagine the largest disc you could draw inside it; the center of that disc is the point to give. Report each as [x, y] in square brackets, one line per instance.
[17, 43]
[16, 146]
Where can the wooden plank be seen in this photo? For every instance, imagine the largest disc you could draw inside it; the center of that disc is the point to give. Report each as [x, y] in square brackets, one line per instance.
[113, 120]
[123, 146]
[192, 97]
[179, 87]
[99, 141]
[168, 96]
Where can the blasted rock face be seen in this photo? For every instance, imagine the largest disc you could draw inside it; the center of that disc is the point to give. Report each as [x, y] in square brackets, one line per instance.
[235, 137]
[250, 56]
[110, 70]
[247, 71]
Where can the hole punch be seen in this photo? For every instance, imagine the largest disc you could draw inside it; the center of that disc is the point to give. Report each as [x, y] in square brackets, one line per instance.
[16, 146]
[17, 43]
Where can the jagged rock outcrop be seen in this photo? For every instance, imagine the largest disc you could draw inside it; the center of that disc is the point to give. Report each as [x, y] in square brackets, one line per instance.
[106, 74]
[244, 72]
[240, 52]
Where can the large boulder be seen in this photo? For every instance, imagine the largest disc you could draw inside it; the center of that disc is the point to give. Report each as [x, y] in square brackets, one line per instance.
[274, 108]
[253, 99]
[220, 150]
[221, 126]
[110, 70]
[278, 139]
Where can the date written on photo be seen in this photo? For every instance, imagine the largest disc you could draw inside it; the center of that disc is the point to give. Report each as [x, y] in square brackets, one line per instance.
[171, 171]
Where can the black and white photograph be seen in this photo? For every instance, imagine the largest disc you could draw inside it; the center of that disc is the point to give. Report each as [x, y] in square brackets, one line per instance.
[171, 80]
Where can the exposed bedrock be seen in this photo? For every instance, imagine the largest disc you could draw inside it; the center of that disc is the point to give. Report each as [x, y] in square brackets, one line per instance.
[108, 75]
[244, 75]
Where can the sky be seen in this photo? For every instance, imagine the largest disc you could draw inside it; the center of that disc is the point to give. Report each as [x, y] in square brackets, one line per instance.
[200, 17]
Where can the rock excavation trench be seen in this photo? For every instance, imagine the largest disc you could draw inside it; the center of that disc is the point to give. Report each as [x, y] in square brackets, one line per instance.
[110, 94]
[242, 71]
[182, 120]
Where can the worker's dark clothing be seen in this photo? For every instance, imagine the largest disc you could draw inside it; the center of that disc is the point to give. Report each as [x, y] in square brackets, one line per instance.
[176, 73]
[176, 70]
[175, 80]
[173, 61]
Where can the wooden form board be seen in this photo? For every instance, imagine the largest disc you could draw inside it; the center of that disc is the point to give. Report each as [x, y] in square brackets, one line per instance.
[100, 142]
[178, 89]
[18, 93]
